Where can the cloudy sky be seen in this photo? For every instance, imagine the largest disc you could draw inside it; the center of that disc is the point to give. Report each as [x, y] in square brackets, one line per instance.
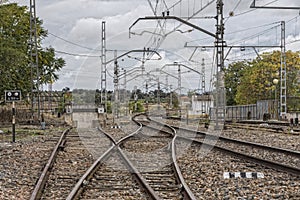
[74, 28]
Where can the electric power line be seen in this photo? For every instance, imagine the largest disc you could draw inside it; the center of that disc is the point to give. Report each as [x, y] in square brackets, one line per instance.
[237, 31]
[248, 11]
[73, 43]
[75, 54]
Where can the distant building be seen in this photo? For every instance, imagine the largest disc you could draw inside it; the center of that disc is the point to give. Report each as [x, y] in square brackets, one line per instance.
[185, 101]
[201, 104]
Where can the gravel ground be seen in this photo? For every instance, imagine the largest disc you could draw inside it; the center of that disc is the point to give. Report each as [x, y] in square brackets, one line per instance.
[121, 129]
[22, 162]
[69, 166]
[263, 153]
[204, 172]
[112, 180]
[282, 140]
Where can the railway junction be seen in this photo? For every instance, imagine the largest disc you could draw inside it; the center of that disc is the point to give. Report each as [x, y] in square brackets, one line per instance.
[173, 119]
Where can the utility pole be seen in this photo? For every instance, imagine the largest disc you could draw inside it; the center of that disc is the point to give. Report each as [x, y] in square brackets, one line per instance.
[34, 58]
[171, 97]
[220, 87]
[147, 98]
[103, 92]
[179, 89]
[283, 85]
[125, 92]
[116, 86]
[219, 116]
[158, 93]
[283, 105]
[203, 107]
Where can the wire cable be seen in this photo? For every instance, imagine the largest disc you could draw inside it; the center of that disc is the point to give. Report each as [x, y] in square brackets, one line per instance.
[238, 3]
[75, 54]
[255, 35]
[73, 43]
[237, 31]
[242, 13]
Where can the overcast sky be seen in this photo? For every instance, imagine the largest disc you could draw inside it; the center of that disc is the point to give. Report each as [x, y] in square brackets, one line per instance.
[79, 22]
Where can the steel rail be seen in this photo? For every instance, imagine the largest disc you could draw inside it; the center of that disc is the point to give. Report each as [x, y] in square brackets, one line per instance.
[271, 127]
[75, 192]
[267, 163]
[40, 185]
[89, 173]
[188, 194]
[138, 176]
[275, 149]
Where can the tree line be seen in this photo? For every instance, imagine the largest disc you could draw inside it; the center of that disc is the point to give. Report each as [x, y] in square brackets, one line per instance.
[246, 82]
[16, 70]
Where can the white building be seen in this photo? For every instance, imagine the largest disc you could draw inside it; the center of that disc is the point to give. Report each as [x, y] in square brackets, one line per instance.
[201, 104]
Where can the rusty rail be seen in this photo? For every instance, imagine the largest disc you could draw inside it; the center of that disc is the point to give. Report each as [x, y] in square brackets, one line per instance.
[40, 185]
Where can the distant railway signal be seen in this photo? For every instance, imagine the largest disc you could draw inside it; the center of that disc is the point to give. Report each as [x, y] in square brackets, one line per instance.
[12, 95]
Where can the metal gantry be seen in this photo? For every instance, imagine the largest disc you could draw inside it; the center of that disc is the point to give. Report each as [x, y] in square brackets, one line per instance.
[254, 5]
[219, 116]
[282, 107]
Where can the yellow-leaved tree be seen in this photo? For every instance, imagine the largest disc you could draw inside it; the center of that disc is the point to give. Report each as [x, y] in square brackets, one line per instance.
[257, 80]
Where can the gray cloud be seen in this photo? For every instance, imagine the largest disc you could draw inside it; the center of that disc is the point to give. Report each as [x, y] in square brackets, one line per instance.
[79, 21]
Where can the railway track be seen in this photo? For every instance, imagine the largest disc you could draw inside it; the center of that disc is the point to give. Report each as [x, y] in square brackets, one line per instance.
[112, 180]
[275, 154]
[279, 158]
[205, 173]
[205, 167]
[150, 153]
[22, 162]
[111, 175]
[154, 154]
[70, 158]
[267, 127]
[140, 164]
[125, 171]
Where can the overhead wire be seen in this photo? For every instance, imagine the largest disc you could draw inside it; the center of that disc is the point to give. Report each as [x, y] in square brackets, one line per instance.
[189, 17]
[260, 33]
[237, 31]
[73, 43]
[79, 55]
[76, 73]
[288, 43]
[235, 7]
[243, 55]
[255, 35]
[242, 13]
[176, 27]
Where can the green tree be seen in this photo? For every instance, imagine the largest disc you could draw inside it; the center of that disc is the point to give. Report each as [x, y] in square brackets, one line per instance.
[233, 75]
[257, 80]
[15, 68]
